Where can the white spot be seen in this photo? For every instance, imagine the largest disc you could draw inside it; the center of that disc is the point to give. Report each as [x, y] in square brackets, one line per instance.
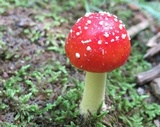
[77, 55]
[71, 31]
[113, 33]
[111, 28]
[112, 40]
[124, 36]
[88, 14]
[108, 14]
[106, 43]
[100, 42]
[116, 31]
[121, 26]
[78, 33]
[120, 21]
[115, 16]
[106, 34]
[86, 41]
[101, 23]
[89, 48]
[106, 18]
[79, 27]
[117, 38]
[88, 21]
[102, 13]
[106, 24]
[85, 27]
[115, 19]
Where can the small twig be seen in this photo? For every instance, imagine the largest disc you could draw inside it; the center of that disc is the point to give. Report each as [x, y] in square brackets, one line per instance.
[152, 51]
[148, 75]
[153, 41]
[132, 31]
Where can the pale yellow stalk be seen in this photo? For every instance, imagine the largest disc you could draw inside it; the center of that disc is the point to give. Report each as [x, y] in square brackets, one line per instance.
[94, 92]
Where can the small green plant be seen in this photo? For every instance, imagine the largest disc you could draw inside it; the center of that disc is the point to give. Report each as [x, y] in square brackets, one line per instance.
[55, 42]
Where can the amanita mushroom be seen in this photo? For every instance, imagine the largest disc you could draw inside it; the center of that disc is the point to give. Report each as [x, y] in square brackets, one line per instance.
[97, 43]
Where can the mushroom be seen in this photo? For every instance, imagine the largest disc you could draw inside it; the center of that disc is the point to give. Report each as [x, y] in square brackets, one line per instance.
[97, 43]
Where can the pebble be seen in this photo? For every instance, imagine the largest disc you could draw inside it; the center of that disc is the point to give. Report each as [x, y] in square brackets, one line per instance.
[140, 91]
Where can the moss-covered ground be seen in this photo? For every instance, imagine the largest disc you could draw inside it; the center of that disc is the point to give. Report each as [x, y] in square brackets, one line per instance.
[38, 85]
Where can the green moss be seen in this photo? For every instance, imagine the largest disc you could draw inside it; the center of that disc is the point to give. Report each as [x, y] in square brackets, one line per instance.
[44, 94]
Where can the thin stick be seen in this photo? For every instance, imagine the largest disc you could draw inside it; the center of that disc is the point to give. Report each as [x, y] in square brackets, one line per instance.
[148, 75]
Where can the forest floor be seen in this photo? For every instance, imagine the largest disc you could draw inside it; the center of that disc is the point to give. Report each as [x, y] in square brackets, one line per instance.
[38, 85]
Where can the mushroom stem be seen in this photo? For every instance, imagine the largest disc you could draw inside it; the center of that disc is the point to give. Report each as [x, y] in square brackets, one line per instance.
[94, 93]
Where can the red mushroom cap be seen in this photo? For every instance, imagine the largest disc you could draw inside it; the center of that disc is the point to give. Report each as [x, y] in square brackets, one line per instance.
[98, 42]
